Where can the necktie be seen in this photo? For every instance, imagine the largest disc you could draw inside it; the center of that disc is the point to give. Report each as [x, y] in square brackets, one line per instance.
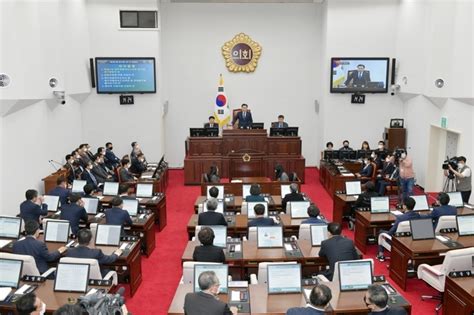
[279, 125]
[244, 114]
[360, 75]
[93, 178]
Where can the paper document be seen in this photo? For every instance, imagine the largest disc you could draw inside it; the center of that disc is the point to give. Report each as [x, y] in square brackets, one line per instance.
[347, 174]
[124, 245]
[238, 248]
[396, 212]
[4, 243]
[288, 247]
[4, 293]
[442, 238]
[307, 293]
[22, 289]
[235, 296]
[238, 284]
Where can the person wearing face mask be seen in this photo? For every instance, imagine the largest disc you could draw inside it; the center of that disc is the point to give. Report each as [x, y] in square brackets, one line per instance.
[463, 178]
[72, 171]
[89, 177]
[112, 160]
[366, 170]
[407, 175]
[345, 146]
[319, 299]
[74, 213]
[388, 174]
[376, 299]
[135, 150]
[125, 174]
[380, 154]
[84, 158]
[99, 172]
[213, 175]
[139, 165]
[206, 300]
[61, 190]
[30, 304]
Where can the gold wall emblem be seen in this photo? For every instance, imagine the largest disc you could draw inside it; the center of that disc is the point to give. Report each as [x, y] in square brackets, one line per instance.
[246, 158]
[241, 54]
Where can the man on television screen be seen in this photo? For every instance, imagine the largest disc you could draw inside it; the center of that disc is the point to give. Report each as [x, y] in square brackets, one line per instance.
[358, 78]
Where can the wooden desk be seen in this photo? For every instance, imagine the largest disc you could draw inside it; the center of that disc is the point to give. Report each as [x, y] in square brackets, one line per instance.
[341, 303]
[421, 251]
[267, 187]
[237, 226]
[159, 184]
[227, 153]
[330, 177]
[50, 180]
[53, 300]
[236, 203]
[341, 206]
[458, 298]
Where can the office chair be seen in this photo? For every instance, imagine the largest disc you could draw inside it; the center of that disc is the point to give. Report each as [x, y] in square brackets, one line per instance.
[335, 276]
[93, 228]
[262, 271]
[305, 232]
[188, 270]
[244, 207]
[29, 265]
[435, 276]
[446, 222]
[385, 239]
[94, 273]
[253, 233]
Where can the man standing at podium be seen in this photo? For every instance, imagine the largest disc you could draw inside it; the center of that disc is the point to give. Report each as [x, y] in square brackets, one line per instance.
[244, 117]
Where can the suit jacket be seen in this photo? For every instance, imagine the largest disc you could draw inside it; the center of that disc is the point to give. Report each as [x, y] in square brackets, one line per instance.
[337, 248]
[125, 175]
[367, 170]
[291, 197]
[312, 220]
[201, 303]
[112, 159]
[396, 310]
[261, 222]
[31, 211]
[211, 218]
[90, 178]
[209, 253]
[74, 214]
[245, 122]
[31, 246]
[72, 172]
[254, 198]
[62, 193]
[410, 215]
[137, 167]
[277, 125]
[99, 173]
[207, 125]
[353, 78]
[117, 216]
[304, 311]
[84, 159]
[440, 211]
[91, 253]
[388, 169]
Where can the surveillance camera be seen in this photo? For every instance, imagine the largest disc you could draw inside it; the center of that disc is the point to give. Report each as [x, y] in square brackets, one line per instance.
[60, 97]
[394, 88]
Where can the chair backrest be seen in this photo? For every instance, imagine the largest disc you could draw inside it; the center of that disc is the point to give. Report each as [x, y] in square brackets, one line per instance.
[458, 260]
[335, 277]
[244, 207]
[403, 226]
[374, 171]
[253, 233]
[29, 264]
[446, 222]
[305, 232]
[93, 228]
[93, 263]
[205, 178]
[117, 173]
[263, 270]
[188, 270]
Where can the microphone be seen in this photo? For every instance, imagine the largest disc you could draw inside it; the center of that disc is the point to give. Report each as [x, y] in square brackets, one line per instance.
[52, 165]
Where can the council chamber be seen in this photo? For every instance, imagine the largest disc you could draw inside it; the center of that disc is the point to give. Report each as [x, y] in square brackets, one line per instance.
[236, 157]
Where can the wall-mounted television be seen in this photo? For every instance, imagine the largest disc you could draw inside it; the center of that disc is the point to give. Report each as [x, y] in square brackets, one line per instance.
[359, 75]
[118, 75]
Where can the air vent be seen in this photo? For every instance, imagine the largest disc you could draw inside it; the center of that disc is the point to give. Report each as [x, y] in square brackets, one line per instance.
[138, 19]
[4, 80]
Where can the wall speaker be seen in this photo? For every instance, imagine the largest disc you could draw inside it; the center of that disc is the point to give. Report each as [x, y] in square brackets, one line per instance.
[316, 106]
[394, 70]
[165, 107]
[439, 83]
[92, 71]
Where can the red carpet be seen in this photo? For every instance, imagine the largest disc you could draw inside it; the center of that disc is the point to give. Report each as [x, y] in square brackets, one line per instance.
[162, 270]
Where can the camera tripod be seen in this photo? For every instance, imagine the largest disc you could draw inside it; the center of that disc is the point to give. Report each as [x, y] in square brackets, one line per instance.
[449, 184]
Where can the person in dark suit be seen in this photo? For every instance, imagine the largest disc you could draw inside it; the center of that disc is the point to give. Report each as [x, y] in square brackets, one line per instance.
[98, 171]
[211, 123]
[206, 301]
[409, 205]
[380, 154]
[280, 123]
[211, 217]
[138, 165]
[33, 207]
[366, 170]
[61, 190]
[294, 195]
[84, 237]
[345, 146]
[112, 160]
[72, 170]
[319, 299]
[443, 209]
[213, 175]
[386, 171]
[336, 248]
[280, 174]
[363, 201]
[135, 150]
[125, 174]
[33, 247]
[74, 212]
[254, 194]
[260, 219]
[89, 191]
[89, 177]
[116, 215]
[84, 158]
[207, 252]
[376, 299]
[244, 117]
[313, 213]
[102, 164]
[358, 78]
[29, 303]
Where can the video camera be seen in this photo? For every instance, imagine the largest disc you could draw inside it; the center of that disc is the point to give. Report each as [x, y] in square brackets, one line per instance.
[450, 161]
[99, 303]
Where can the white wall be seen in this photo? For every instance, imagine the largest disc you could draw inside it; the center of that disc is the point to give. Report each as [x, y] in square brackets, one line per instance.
[103, 118]
[357, 29]
[286, 80]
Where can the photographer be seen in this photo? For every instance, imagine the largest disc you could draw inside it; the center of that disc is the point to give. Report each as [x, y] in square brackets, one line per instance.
[463, 178]
[407, 174]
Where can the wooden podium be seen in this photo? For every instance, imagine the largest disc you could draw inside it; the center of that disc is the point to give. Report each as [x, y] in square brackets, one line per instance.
[242, 153]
